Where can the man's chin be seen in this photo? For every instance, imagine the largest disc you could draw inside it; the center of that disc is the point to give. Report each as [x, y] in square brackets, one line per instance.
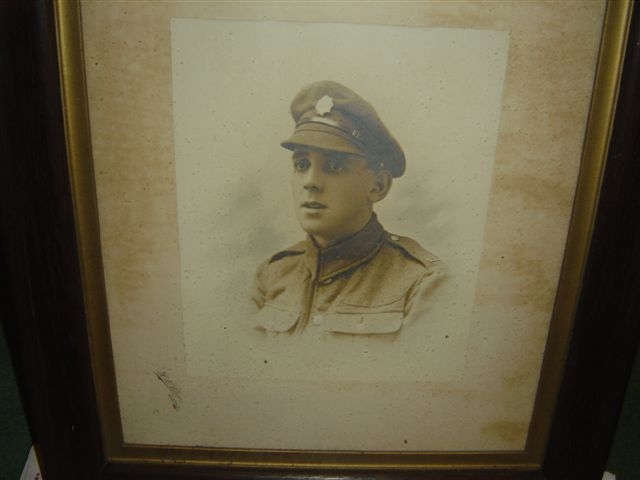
[314, 232]
[313, 226]
[319, 234]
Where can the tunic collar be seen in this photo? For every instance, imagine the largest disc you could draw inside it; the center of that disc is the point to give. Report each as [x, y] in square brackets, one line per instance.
[347, 254]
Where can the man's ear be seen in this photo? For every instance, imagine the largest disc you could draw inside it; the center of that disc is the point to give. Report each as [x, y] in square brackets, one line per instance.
[381, 185]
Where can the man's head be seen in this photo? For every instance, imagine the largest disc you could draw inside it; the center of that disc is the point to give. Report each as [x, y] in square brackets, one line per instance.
[344, 159]
[332, 117]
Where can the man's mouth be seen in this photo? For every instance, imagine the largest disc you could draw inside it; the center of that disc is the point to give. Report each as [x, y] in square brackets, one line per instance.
[313, 205]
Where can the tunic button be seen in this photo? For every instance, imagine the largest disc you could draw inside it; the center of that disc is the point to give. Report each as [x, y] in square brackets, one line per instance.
[317, 319]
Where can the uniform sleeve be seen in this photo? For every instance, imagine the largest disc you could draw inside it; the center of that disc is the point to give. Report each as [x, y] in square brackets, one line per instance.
[425, 292]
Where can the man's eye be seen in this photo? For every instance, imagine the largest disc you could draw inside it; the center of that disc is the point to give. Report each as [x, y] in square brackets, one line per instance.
[336, 165]
[301, 164]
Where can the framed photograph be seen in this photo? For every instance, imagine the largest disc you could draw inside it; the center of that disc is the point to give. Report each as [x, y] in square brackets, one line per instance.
[331, 238]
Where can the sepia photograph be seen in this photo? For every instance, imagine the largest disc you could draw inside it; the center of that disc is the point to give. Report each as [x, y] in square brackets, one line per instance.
[299, 159]
[336, 228]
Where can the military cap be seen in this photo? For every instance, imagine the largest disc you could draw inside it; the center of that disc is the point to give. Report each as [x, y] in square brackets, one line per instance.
[332, 117]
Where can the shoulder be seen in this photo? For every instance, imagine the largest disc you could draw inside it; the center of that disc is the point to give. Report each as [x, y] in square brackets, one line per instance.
[294, 250]
[282, 261]
[413, 251]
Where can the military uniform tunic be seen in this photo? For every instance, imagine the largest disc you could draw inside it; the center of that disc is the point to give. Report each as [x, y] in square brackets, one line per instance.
[370, 283]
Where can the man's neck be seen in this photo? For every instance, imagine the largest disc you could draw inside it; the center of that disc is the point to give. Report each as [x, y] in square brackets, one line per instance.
[324, 243]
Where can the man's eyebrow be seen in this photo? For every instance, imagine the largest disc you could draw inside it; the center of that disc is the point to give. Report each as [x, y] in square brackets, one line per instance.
[299, 153]
[338, 156]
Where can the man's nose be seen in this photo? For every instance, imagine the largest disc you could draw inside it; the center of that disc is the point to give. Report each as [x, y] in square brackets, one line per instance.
[313, 179]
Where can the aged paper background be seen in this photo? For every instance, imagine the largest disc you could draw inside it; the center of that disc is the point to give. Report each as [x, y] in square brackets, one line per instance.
[475, 390]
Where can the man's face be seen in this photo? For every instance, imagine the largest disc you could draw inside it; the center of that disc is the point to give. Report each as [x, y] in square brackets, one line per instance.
[333, 193]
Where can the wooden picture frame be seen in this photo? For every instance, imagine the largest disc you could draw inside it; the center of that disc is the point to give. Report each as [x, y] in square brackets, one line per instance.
[53, 261]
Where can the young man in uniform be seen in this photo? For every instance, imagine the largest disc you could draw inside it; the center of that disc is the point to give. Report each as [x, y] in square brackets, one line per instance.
[349, 276]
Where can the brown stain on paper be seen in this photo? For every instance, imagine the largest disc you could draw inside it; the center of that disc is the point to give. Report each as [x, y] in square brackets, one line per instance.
[129, 83]
[549, 194]
[511, 433]
[517, 380]
[519, 278]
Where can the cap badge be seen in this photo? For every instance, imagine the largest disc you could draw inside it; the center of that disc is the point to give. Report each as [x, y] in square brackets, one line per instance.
[324, 105]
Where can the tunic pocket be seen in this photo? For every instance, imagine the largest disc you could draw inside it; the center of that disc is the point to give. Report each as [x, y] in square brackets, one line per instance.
[274, 318]
[363, 323]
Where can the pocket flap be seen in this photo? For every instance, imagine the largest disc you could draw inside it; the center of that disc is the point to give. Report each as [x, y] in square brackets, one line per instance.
[274, 319]
[363, 323]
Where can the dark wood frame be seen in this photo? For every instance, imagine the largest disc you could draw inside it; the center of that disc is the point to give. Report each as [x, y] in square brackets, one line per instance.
[43, 307]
